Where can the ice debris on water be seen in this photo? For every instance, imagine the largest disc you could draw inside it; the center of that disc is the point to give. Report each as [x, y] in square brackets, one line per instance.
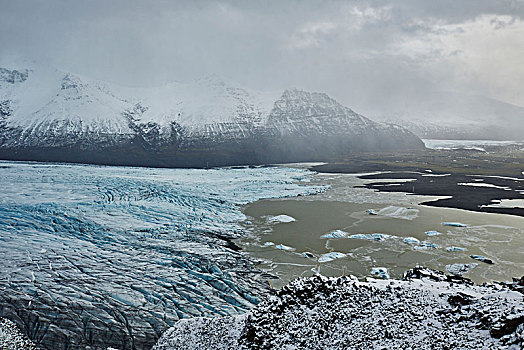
[335, 234]
[284, 247]
[459, 269]
[380, 272]
[454, 224]
[425, 245]
[371, 236]
[455, 249]
[268, 244]
[308, 255]
[330, 257]
[432, 233]
[482, 258]
[411, 240]
[372, 212]
[399, 212]
[284, 219]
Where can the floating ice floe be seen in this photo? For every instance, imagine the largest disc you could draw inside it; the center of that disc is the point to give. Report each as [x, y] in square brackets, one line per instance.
[482, 258]
[282, 219]
[380, 272]
[432, 233]
[267, 244]
[411, 240]
[372, 212]
[284, 247]
[307, 255]
[459, 269]
[330, 257]
[425, 245]
[335, 234]
[455, 249]
[399, 212]
[371, 236]
[454, 224]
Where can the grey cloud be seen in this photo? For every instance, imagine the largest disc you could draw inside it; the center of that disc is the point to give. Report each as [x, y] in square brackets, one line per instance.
[361, 52]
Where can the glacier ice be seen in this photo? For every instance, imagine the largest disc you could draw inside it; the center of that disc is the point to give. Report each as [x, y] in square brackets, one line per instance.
[115, 255]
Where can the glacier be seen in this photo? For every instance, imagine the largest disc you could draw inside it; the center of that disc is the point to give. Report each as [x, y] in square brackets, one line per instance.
[96, 256]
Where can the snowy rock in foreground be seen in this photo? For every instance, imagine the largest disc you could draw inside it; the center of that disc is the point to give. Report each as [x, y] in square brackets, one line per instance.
[426, 308]
[11, 338]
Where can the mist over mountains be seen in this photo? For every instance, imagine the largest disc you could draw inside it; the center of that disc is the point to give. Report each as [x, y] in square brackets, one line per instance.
[50, 115]
[453, 115]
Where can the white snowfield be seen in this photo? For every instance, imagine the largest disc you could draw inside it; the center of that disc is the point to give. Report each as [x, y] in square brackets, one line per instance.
[47, 94]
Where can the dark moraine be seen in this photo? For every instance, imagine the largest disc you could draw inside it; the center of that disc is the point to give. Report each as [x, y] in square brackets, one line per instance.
[501, 167]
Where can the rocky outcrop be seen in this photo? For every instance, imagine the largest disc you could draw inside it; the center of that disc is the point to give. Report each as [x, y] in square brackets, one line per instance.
[427, 309]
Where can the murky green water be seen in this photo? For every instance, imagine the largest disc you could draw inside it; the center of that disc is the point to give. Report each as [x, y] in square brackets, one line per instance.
[498, 237]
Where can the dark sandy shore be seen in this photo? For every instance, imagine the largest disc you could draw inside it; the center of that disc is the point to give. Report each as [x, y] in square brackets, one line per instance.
[497, 175]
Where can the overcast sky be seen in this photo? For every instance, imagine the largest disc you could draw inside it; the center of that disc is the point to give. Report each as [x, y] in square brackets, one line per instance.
[357, 51]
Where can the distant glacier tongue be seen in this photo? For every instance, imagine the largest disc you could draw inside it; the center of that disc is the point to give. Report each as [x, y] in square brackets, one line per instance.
[112, 256]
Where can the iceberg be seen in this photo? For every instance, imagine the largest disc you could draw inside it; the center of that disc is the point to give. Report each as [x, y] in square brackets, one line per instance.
[268, 244]
[432, 233]
[335, 234]
[459, 269]
[411, 240]
[454, 224]
[284, 247]
[399, 212]
[308, 255]
[284, 219]
[482, 258]
[371, 237]
[380, 272]
[425, 245]
[455, 249]
[330, 257]
[372, 212]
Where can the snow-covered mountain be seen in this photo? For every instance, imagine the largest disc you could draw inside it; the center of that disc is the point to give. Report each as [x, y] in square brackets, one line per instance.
[49, 114]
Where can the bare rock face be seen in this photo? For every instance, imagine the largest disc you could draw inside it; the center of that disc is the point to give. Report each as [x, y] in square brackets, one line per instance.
[427, 310]
[50, 115]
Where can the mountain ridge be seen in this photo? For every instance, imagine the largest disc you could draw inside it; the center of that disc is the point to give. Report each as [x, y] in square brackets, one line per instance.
[52, 115]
